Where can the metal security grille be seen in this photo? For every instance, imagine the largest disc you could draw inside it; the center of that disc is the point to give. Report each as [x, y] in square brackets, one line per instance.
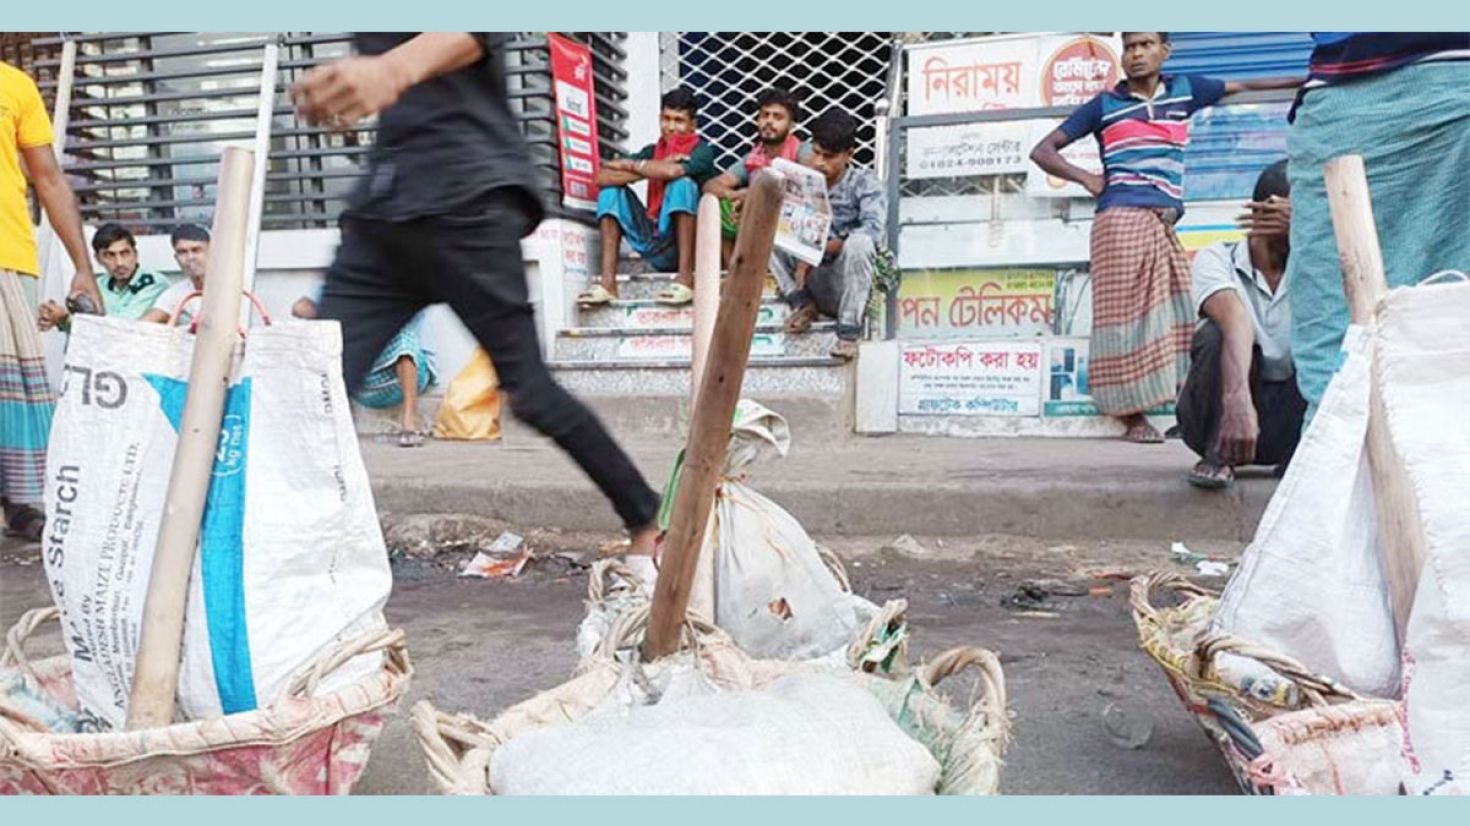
[728, 70]
[152, 110]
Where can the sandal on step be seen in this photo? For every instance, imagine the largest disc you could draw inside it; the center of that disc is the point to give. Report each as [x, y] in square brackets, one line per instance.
[410, 438]
[676, 295]
[1210, 476]
[595, 296]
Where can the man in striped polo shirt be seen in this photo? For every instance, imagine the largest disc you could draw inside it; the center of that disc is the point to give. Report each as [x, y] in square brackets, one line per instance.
[1142, 317]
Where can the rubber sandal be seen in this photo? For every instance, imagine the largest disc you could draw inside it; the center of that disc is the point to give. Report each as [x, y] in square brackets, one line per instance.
[676, 295]
[410, 438]
[1210, 482]
[595, 296]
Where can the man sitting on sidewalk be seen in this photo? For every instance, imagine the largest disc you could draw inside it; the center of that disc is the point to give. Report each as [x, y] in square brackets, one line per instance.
[127, 290]
[1240, 404]
[840, 286]
[776, 114]
[663, 234]
[191, 251]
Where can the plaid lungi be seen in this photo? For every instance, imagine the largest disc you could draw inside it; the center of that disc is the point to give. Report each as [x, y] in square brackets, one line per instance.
[26, 398]
[1142, 316]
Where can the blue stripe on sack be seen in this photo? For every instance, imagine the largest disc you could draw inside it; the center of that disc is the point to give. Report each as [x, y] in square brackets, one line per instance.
[221, 543]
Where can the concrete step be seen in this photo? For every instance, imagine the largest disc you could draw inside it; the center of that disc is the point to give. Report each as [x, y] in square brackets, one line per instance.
[646, 286]
[813, 418]
[814, 377]
[1056, 489]
[662, 344]
[650, 313]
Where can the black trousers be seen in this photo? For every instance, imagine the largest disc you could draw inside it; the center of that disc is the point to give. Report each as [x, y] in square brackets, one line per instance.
[470, 259]
[1280, 407]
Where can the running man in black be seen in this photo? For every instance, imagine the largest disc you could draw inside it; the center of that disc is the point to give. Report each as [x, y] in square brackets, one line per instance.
[449, 194]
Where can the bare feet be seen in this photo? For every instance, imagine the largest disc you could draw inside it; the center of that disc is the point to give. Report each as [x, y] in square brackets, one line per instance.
[1140, 431]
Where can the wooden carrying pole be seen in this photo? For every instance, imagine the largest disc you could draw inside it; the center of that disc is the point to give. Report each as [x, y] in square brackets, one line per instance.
[1401, 533]
[706, 288]
[714, 413]
[156, 672]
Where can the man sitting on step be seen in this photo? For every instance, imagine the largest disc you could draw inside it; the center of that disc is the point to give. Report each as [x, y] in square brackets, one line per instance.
[840, 286]
[777, 111]
[663, 232]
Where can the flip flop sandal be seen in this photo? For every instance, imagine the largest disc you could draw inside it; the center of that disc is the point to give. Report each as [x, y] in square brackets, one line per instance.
[1208, 481]
[595, 296]
[27, 522]
[676, 295]
[410, 438]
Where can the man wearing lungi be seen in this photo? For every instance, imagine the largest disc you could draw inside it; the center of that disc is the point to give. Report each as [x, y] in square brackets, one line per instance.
[1142, 316]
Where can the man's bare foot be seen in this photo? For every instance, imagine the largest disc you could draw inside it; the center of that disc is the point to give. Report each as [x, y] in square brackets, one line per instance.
[1140, 431]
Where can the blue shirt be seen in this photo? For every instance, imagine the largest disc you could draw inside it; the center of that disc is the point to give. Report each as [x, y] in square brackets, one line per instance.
[1142, 141]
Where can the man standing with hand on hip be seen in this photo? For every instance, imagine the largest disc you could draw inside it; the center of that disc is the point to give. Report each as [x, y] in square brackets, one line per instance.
[449, 193]
[1142, 315]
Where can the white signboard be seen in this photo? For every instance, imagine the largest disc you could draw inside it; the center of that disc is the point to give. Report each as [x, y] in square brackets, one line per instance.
[973, 75]
[1083, 152]
[806, 216]
[967, 149]
[974, 378]
[1010, 72]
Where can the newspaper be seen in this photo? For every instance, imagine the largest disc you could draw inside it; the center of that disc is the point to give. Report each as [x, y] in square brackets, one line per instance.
[806, 216]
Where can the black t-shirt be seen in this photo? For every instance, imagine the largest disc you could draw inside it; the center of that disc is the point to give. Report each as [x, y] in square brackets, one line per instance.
[445, 141]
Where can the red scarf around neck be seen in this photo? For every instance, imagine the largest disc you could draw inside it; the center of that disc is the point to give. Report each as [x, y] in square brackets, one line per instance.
[758, 159]
[674, 146]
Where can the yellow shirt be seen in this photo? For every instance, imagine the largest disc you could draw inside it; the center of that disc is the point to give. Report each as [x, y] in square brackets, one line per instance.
[23, 125]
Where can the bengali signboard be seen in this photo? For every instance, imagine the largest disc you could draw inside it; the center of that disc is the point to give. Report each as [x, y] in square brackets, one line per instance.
[966, 149]
[955, 304]
[1076, 68]
[576, 120]
[989, 378]
[1009, 72]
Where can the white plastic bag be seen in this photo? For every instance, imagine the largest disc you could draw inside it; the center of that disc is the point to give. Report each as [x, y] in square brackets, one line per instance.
[1425, 367]
[772, 591]
[1310, 585]
[807, 734]
[292, 558]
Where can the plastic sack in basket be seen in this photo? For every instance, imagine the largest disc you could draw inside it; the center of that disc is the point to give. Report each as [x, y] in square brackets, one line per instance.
[966, 743]
[301, 743]
[1253, 702]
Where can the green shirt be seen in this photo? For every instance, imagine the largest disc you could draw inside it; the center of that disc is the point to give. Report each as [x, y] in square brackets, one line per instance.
[700, 166]
[133, 299]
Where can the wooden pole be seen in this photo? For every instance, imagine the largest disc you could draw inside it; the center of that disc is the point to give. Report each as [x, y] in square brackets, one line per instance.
[1400, 530]
[714, 413]
[706, 288]
[156, 672]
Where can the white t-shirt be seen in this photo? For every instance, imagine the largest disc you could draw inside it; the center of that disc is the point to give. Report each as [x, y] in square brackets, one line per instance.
[169, 300]
[1227, 266]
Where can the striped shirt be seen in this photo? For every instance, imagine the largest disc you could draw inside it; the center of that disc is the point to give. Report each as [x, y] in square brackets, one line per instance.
[1142, 140]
